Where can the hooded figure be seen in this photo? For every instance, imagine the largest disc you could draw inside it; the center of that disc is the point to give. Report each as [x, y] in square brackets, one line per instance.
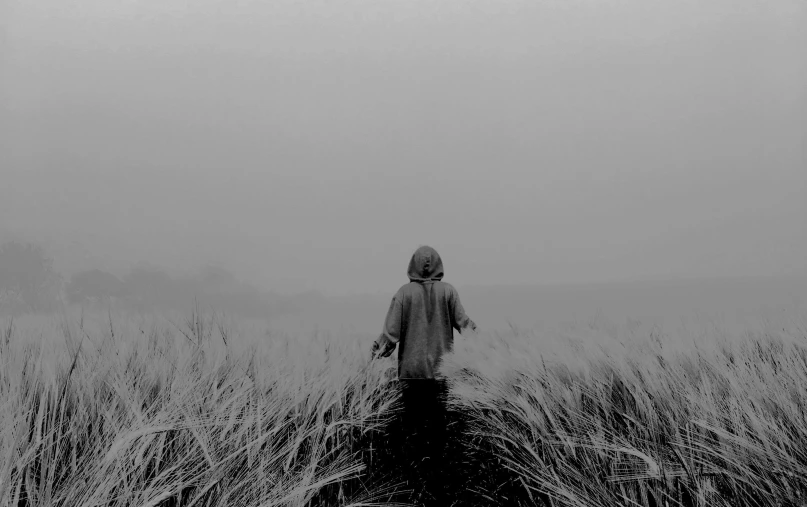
[421, 318]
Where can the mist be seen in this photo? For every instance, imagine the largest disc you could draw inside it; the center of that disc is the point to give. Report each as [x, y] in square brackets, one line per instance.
[314, 145]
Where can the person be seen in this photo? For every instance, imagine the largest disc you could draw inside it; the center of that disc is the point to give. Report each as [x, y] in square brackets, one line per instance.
[420, 321]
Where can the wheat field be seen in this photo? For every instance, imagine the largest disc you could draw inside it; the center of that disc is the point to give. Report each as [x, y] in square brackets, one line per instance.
[114, 409]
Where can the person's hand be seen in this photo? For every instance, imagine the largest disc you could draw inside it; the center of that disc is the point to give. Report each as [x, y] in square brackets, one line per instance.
[374, 351]
[382, 347]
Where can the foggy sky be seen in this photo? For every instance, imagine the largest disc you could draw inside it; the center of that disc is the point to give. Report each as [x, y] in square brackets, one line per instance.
[315, 144]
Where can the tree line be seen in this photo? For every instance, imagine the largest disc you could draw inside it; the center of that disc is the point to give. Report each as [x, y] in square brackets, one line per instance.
[30, 284]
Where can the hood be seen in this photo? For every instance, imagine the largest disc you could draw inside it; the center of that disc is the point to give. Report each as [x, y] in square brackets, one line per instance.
[425, 265]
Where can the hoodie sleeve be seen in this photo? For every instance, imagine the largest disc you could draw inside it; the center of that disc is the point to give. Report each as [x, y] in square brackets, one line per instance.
[391, 334]
[460, 321]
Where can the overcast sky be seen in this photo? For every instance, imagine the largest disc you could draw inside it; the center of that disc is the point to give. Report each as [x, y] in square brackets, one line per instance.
[314, 144]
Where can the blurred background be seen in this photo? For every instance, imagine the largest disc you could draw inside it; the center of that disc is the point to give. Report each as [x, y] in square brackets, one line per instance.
[282, 160]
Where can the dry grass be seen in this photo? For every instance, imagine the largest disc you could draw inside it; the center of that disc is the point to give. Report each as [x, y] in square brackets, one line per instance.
[606, 419]
[200, 411]
[148, 413]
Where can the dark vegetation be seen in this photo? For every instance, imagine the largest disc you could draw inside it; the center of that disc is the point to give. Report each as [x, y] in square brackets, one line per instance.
[29, 284]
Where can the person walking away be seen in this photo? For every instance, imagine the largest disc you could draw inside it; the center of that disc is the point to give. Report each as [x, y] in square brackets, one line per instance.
[420, 321]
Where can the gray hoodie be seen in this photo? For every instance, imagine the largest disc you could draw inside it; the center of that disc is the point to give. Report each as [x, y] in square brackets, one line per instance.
[421, 318]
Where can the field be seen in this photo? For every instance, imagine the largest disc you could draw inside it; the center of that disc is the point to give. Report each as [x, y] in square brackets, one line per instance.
[201, 410]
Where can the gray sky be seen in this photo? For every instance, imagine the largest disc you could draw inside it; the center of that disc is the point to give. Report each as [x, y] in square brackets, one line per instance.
[315, 144]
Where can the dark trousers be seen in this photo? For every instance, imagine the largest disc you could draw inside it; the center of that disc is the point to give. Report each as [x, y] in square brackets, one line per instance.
[423, 438]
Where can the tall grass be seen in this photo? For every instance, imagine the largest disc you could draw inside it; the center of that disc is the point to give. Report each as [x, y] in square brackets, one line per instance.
[117, 410]
[607, 419]
[149, 413]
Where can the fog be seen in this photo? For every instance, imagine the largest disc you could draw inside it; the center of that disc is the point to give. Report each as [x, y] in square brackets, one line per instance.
[313, 145]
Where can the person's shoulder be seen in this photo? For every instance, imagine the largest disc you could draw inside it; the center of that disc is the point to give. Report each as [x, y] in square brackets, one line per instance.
[405, 289]
[447, 287]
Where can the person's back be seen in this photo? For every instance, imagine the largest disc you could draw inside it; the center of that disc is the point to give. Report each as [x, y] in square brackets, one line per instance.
[421, 318]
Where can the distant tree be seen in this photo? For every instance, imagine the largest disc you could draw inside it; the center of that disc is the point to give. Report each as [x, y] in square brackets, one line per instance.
[151, 288]
[212, 287]
[217, 279]
[93, 286]
[28, 282]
